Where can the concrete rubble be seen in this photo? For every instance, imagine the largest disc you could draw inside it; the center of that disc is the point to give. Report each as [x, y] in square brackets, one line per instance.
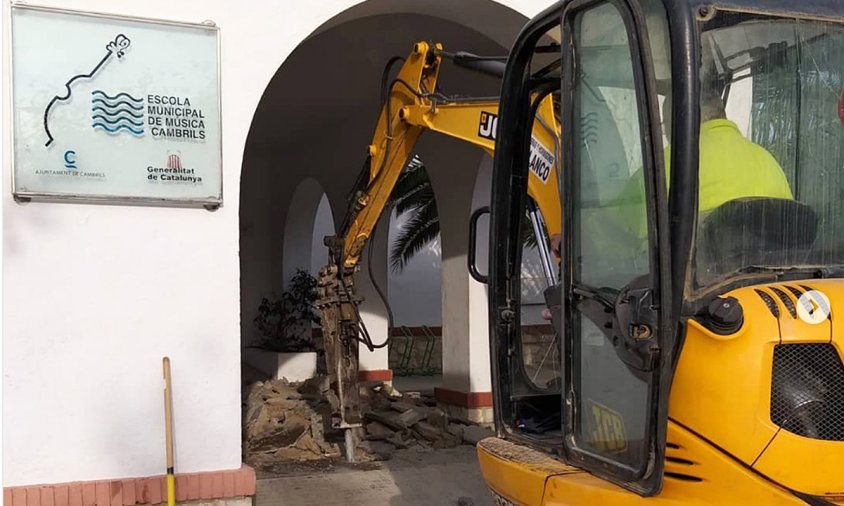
[287, 422]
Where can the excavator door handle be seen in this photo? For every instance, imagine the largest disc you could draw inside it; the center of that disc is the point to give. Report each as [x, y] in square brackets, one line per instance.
[473, 245]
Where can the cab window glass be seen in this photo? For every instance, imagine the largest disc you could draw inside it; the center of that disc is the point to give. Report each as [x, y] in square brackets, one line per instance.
[540, 346]
[771, 146]
[610, 237]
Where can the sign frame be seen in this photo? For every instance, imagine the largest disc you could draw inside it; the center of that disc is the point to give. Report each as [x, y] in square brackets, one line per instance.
[20, 196]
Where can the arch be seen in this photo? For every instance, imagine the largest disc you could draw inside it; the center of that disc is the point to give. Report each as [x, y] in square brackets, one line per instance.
[316, 116]
[323, 226]
[300, 228]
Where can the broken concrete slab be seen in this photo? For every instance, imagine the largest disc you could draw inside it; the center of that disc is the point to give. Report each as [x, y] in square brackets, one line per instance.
[282, 435]
[397, 441]
[307, 443]
[278, 407]
[472, 434]
[428, 431]
[281, 388]
[253, 393]
[289, 422]
[315, 385]
[413, 415]
[401, 406]
[259, 422]
[293, 454]
[379, 448]
[456, 430]
[446, 441]
[388, 418]
[452, 441]
[378, 431]
[438, 419]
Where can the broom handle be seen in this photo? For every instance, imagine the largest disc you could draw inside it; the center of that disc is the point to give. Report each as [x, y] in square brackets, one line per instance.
[168, 431]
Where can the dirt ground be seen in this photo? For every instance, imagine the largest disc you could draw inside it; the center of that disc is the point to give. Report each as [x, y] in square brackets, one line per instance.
[280, 417]
[409, 478]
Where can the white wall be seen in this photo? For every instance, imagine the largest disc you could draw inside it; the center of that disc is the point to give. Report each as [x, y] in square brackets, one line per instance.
[96, 295]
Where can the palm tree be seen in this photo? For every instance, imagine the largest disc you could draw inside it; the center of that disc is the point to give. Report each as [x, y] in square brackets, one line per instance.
[413, 196]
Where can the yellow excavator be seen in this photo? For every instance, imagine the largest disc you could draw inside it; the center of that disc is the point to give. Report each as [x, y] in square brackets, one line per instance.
[414, 104]
[700, 296]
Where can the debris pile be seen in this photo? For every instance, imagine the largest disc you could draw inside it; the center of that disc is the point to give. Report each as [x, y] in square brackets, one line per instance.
[283, 423]
[286, 422]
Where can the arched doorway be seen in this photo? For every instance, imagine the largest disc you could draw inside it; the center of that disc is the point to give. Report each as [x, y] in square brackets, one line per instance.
[314, 122]
[307, 218]
[415, 281]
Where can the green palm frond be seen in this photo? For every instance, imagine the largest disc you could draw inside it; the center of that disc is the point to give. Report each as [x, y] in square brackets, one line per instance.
[413, 187]
[413, 196]
[421, 227]
[528, 237]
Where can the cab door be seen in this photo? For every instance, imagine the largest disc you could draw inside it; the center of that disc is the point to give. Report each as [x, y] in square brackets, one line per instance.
[614, 292]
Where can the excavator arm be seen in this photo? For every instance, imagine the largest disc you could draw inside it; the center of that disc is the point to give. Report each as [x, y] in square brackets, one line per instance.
[412, 106]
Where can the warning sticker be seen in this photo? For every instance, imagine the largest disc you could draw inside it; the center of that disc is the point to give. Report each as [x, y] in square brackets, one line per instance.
[541, 160]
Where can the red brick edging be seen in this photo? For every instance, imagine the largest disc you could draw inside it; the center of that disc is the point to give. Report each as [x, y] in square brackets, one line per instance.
[130, 491]
[376, 375]
[466, 400]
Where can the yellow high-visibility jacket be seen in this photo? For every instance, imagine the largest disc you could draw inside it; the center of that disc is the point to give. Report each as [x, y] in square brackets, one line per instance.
[731, 167]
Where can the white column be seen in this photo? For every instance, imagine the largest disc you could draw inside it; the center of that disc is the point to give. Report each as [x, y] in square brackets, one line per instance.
[480, 379]
[466, 389]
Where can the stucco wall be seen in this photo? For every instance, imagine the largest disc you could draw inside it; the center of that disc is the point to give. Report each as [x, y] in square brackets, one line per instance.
[96, 295]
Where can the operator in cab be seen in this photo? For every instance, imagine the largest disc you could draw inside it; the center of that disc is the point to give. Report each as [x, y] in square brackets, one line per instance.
[731, 167]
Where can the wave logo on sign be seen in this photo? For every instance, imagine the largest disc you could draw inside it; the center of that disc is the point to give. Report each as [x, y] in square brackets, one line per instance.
[118, 113]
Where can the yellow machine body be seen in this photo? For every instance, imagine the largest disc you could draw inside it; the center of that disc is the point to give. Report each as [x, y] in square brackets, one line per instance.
[722, 446]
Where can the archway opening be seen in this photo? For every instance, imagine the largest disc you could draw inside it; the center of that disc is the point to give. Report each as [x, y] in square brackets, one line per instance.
[307, 143]
[318, 112]
[415, 282]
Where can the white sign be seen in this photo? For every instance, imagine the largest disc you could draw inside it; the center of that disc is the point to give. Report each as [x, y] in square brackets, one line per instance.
[115, 109]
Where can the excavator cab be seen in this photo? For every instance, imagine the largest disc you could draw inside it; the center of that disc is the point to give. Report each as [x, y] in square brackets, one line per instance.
[697, 359]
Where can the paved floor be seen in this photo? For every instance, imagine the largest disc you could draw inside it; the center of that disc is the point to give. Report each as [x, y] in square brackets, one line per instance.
[410, 478]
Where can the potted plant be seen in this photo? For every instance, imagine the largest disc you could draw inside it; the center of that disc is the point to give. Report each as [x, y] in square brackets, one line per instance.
[286, 347]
